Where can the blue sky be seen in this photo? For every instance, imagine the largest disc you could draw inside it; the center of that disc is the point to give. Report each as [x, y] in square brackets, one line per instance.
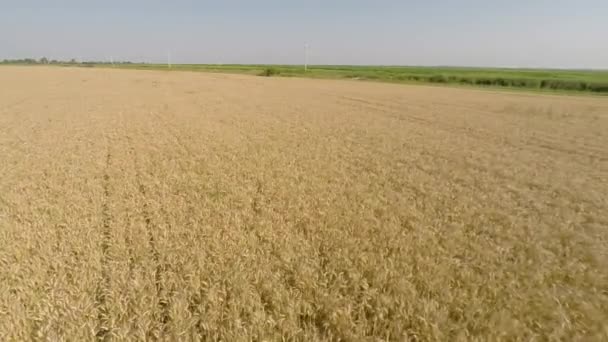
[516, 33]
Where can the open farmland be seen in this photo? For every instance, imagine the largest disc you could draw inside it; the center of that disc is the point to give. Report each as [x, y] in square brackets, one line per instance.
[185, 206]
[556, 81]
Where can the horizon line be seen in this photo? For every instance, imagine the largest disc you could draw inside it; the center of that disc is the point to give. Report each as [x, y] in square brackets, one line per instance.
[37, 60]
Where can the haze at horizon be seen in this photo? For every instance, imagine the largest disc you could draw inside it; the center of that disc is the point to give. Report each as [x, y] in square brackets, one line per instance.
[531, 34]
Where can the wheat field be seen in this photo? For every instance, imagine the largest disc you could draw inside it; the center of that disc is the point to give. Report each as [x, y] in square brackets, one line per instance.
[150, 205]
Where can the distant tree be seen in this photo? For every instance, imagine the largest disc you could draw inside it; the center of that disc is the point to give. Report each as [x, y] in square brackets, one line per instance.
[73, 61]
[44, 60]
[268, 72]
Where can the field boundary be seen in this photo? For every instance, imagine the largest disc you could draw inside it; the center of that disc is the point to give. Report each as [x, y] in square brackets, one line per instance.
[543, 81]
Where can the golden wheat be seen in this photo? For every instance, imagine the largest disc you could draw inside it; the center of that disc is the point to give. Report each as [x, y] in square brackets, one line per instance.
[180, 206]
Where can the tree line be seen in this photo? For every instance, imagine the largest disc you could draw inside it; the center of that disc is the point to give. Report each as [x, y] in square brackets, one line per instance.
[45, 60]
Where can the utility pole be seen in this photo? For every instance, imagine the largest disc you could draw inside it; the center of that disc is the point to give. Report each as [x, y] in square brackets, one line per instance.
[305, 57]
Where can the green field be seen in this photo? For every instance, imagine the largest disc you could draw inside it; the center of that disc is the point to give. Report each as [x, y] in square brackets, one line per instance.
[591, 81]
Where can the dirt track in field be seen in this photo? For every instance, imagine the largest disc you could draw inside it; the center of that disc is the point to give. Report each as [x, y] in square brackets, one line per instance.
[174, 205]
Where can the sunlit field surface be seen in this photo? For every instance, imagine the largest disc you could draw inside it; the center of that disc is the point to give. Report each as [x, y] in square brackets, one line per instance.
[146, 205]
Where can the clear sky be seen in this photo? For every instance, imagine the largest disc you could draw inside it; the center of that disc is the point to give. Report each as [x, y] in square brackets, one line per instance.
[515, 33]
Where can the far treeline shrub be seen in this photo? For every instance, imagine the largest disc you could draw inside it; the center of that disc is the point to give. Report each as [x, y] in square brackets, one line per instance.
[438, 79]
[574, 85]
[555, 84]
[268, 72]
[598, 87]
[563, 85]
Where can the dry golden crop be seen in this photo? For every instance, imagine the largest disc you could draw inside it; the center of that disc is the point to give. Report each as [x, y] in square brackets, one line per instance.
[144, 205]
